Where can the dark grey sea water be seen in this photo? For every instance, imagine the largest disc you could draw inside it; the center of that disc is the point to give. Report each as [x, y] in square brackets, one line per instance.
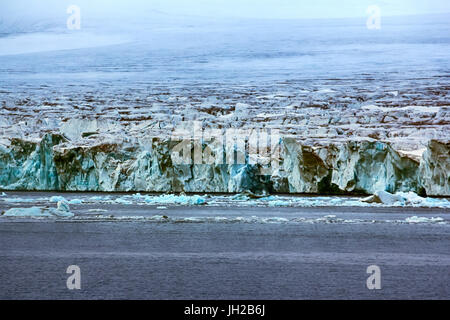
[217, 260]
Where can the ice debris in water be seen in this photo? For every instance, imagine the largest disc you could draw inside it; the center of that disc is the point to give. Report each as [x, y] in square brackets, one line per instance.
[27, 212]
[122, 200]
[3, 194]
[327, 219]
[62, 210]
[63, 205]
[182, 199]
[76, 201]
[162, 199]
[97, 210]
[240, 197]
[380, 198]
[279, 203]
[174, 199]
[405, 199]
[56, 198]
[416, 219]
[100, 198]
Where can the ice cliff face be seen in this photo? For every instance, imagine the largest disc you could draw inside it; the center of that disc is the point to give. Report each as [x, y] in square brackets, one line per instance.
[435, 167]
[353, 166]
[54, 163]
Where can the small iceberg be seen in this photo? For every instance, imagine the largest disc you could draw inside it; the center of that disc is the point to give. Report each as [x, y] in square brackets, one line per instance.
[384, 197]
[416, 219]
[63, 206]
[76, 201]
[174, 199]
[97, 210]
[56, 199]
[100, 198]
[37, 212]
[279, 203]
[62, 210]
[123, 200]
[405, 199]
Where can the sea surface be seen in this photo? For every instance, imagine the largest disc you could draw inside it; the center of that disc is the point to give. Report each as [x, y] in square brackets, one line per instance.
[132, 251]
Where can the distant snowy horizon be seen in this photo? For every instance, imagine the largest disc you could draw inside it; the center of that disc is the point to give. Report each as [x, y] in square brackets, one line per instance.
[43, 15]
[284, 9]
[24, 36]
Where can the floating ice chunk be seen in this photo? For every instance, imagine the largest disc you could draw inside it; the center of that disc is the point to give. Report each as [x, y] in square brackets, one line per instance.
[416, 219]
[100, 198]
[279, 203]
[240, 197]
[158, 218]
[60, 213]
[269, 198]
[3, 194]
[57, 198]
[405, 199]
[27, 212]
[174, 199]
[274, 220]
[414, 200]
[329, 219]
[37, 212]
[384, 197]
[63, 205]
[138, 218]
[371, 199]
[196, 200]
[389, 198]
[122, 200]
[76, 201]
[335, 201]
[97, 210]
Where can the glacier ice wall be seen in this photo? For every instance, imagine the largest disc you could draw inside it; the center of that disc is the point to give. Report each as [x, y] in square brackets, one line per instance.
[435, 167]
[54, 163]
